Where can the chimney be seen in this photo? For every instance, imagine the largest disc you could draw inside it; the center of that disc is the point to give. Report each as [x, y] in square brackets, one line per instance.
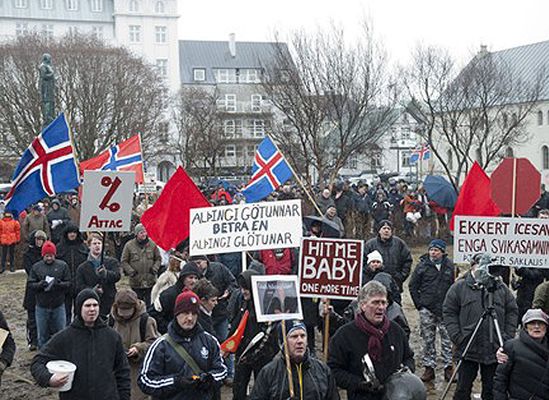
[232, 45]
[483, 50]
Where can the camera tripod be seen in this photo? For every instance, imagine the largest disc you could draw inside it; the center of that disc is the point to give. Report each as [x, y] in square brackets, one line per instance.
[489, 313]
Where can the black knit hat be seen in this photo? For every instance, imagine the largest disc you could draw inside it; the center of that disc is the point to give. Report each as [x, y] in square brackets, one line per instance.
[84, 295]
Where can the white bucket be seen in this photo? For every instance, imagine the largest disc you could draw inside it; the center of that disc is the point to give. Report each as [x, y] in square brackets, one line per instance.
[62, 368]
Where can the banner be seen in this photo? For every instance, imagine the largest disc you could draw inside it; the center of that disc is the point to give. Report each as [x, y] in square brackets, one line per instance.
[276, 297]
[243, 227]
[330, 268]
[515, 242]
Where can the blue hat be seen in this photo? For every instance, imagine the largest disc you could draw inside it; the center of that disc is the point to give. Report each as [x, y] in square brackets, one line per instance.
[291, 325]
[438, 244]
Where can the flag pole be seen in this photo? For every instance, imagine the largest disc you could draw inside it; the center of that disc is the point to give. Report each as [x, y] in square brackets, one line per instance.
[143, 171]
[298, 179]
[71, 138]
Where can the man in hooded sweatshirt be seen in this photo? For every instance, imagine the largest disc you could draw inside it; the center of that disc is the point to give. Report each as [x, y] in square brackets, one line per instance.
[102, 370]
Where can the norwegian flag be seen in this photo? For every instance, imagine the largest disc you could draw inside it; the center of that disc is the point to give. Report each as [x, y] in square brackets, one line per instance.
[270, 170]
[46, 168]
[125, 156]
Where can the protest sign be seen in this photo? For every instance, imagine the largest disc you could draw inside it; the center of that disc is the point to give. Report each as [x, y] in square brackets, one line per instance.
[243, 227]
[276, 297]
[330, 268]
[515, 242]
[107, 200]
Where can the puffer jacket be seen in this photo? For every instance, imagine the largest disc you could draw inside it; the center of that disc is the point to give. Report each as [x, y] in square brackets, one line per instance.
[312, 378]
[10, 231]
[163, 366]
[397, 259]
[463, 308]
[525, 376]
[428, 286]
[141, 263]
[50, 296]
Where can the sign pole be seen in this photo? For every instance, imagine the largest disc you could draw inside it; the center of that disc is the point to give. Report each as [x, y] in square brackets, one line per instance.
[514, 189]
[326, 327]
[287, 357]
[103, 234]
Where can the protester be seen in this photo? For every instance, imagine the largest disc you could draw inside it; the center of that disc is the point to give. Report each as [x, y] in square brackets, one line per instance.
[208, 294]
[397, 259]
[331, 215]
[524, 375]
[312, 379]
[74, 252]
[541, 297]
[374, 266]
[57, 218]
[463, 307]
[325, 200]
[381, 208]
[166, 279]
[138, 331]
[372, 334]
[186, 363]
[99, 275]
[278, 261]
[529, 280]
[74, 210]
[7, 349]
[102, 370]
[10, 235]
[429, 284]
[141, 261]
[35, 221]
[50, 280]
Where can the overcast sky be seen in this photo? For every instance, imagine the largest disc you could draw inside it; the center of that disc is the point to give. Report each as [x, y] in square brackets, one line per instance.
[460, 26]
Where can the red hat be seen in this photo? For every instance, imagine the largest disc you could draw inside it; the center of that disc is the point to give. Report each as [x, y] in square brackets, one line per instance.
[48, 248]
[187, 301]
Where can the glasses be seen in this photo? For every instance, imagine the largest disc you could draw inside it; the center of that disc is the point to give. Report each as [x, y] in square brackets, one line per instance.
[536, 323]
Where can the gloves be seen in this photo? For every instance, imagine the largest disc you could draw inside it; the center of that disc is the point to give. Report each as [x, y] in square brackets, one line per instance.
[43, 284]
[367, 387]
[186, 382]
[204, 382]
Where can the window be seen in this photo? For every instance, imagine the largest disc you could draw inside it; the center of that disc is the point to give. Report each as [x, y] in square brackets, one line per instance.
[97, 5]
[251, 150]
[20, 3]
[73, 30]
[199, 74]
[47, 31]
[248, 76]
[256, 102]
[505, 120]
[509, 152]
[135, 33]
[225, 75]
[375, 161]
[405, 158]
[257, 127]
[230, 150]
[229, 127]
[545, 157]
[72, 5]
[160, 34]
[162, 66]
[159, 7]
[97, 32]
[134, 6]
[228, 103]
[46, 4]
[352, 162]
[21, 29]
[450, 159]
[540, 118]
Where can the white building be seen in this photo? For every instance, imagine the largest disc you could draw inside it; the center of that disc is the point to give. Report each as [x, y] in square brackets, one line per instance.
[146, 27]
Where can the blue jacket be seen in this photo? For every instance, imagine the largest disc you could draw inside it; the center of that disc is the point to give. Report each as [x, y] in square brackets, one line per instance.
[163, 366]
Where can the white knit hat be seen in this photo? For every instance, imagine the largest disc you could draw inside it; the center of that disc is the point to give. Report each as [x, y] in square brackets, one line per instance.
[375, 256]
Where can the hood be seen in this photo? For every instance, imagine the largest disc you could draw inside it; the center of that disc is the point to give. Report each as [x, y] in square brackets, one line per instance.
[32, 235]
[245, 278]
[72, 228]
[189, 268]
[124, 298]
[386, 280]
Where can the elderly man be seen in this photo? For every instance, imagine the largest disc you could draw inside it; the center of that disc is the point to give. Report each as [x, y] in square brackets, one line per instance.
[141, 261]
[371, 334]
[102, 370]
[317, 383]
[186, 363]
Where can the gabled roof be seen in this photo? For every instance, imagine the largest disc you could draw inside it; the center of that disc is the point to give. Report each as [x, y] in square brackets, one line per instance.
[216, 54]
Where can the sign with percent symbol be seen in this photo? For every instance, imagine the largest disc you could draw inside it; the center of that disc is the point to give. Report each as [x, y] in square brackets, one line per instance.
[107, 199]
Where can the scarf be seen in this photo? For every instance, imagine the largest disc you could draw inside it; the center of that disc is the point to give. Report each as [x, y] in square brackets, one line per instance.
[376, 334]
[95, 262]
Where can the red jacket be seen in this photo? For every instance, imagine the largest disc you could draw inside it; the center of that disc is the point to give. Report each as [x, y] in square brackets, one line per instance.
[274, 266]
[10, 231]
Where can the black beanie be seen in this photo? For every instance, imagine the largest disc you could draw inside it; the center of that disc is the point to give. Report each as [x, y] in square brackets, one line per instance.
[84, 295]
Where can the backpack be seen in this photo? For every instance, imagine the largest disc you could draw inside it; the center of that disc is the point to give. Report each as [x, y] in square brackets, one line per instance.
[142, 324]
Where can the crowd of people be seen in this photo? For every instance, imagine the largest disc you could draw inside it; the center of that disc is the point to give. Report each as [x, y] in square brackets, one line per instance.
[160, 338]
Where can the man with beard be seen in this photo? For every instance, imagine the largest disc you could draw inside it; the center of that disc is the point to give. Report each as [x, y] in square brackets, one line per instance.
[371, 334]
[312, 379]
[74, 252]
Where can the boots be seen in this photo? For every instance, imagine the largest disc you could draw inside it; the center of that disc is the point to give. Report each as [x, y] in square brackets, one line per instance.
[448, 371]
[428, 375]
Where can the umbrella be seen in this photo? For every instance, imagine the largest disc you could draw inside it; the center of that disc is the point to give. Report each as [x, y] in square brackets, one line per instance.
[440, 191]
[329, 229]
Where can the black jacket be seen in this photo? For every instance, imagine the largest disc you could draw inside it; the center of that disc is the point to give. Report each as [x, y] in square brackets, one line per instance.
[167, 301]
[87, 277]
[530, 279]
[428, 286]
[31, 257]
[163, 366]
[525, 376]
[350, 344]
[102, 370]
[53, 295]
[311, 377]
[8, 350]
[463, 308]
[74, 253]
[397, 259]
[222, 278]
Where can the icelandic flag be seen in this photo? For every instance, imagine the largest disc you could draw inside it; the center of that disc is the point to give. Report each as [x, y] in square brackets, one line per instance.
[46, 168]
[125, 156]
[270, 170]
[420, 153]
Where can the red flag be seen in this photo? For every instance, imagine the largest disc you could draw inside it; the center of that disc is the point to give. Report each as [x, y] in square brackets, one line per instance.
[125, 156]
[475, 197]
[168, 220]
[231, 344]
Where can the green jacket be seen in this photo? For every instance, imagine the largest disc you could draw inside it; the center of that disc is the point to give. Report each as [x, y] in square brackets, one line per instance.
[141, 263]
[541, 297]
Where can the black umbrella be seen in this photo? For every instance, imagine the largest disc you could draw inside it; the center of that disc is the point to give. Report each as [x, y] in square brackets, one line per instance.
[329, 228]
